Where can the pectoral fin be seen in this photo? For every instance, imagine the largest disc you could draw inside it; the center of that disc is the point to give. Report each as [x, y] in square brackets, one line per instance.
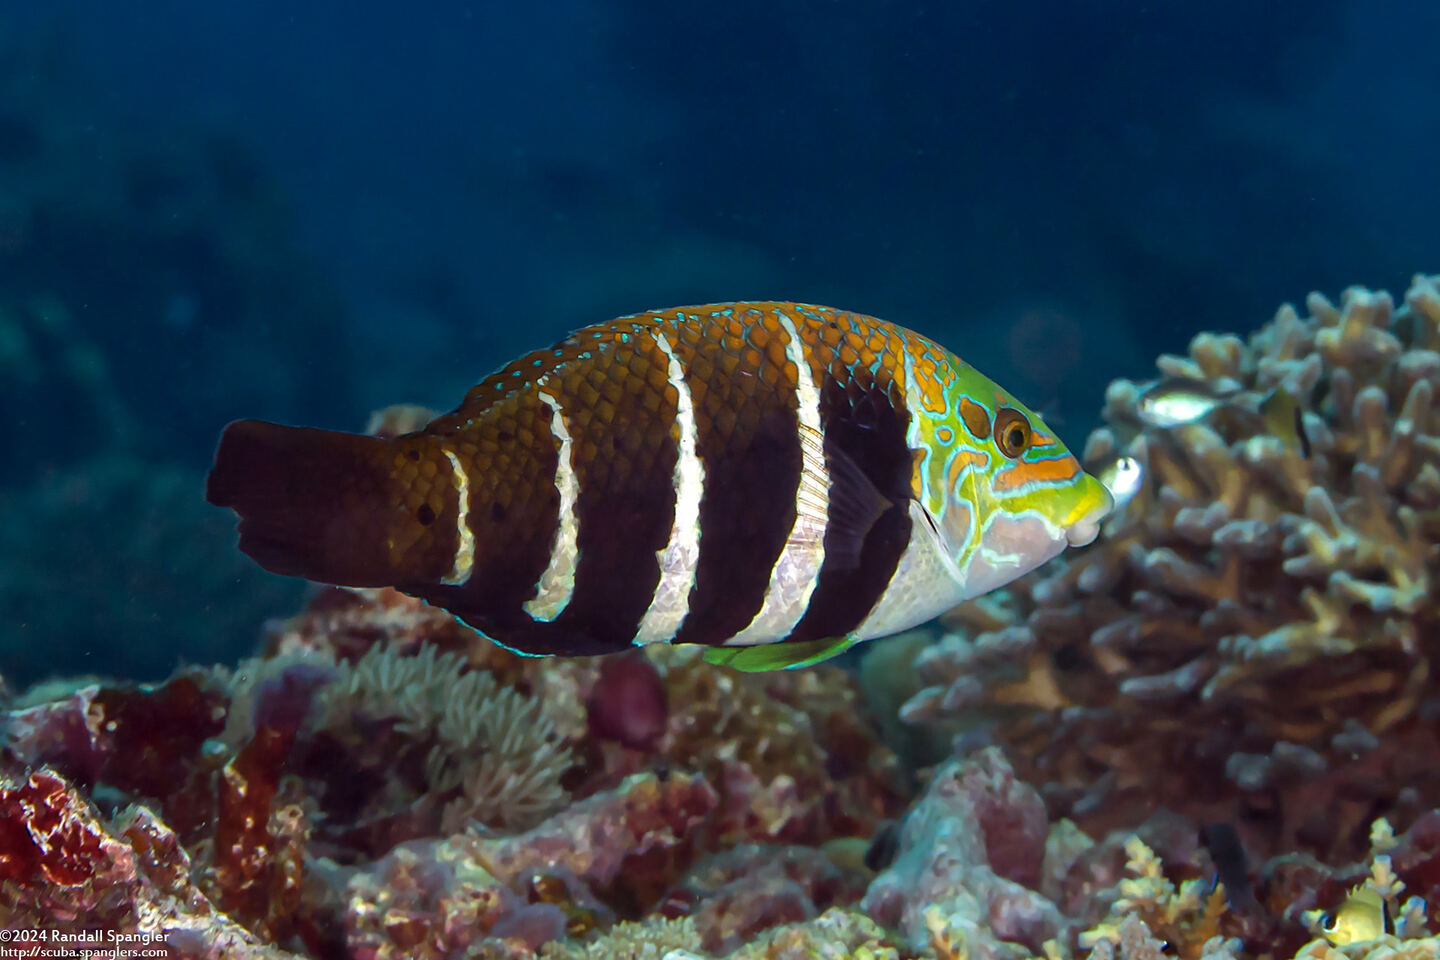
[855, 504]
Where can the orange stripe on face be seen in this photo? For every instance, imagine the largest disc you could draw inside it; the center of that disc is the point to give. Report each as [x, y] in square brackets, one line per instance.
[1065, 468]
[958, 463]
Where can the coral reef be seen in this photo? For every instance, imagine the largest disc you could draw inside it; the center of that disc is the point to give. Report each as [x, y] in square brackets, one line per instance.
[1179, 743]
[383, 782]
[65, 869]
[198, 814]
[970, 852]
[1252, 639]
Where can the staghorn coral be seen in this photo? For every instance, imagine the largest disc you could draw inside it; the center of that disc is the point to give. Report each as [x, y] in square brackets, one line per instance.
[1387, 949]
[300, 801]
[1149, 911]
[1254, 619]
[1186, 917]
[981, 870]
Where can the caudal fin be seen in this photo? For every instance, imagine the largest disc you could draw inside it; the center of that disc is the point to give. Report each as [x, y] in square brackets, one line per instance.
[312, 503]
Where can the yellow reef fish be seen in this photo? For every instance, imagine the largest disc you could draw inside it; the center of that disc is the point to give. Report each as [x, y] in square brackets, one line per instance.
[1361, 917]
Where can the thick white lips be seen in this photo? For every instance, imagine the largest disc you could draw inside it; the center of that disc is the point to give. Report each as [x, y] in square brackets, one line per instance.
[1099, 503]
[1085, 531]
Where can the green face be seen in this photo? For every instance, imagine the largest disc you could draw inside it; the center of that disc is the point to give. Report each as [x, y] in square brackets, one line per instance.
[1002, 492]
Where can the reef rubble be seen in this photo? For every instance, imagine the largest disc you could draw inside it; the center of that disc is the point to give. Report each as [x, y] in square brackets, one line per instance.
[382, 782]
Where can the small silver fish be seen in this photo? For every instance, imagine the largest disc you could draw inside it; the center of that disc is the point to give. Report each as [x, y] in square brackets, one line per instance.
[1175, 401]
[1123, 477]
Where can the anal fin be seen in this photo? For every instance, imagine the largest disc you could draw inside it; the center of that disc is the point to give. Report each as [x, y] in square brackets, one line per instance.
[780, 656]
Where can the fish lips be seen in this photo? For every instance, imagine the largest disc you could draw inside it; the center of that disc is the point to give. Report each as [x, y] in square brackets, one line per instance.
[1079, 534]
[1095, 507]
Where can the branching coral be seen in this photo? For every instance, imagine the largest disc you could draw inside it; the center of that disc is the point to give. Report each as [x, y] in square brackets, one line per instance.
[1185, 917]
[1149, 912]
[1255, 618]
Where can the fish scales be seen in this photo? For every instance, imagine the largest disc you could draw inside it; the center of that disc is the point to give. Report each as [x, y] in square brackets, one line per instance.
[727, 475]
[744, 393]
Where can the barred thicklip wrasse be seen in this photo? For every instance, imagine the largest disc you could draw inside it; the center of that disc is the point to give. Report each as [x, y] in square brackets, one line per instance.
[773, 480]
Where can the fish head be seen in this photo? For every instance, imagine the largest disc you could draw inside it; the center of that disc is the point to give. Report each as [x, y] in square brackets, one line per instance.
[1000, 491]
[1360, 918]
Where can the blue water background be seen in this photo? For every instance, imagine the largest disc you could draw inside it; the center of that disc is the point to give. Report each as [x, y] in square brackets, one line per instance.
[377, 203]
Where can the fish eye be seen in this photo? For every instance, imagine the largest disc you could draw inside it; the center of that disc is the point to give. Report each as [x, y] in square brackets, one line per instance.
[1012, 432]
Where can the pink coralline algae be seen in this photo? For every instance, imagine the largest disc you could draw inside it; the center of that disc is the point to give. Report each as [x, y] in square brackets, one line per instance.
[978, 870]
[738, 894]
[970, 852]
[437, 897]
[64, 868]
[628, 703]
[385, 783]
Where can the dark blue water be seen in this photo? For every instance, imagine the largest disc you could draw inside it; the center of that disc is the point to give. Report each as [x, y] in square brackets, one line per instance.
[307, 211]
